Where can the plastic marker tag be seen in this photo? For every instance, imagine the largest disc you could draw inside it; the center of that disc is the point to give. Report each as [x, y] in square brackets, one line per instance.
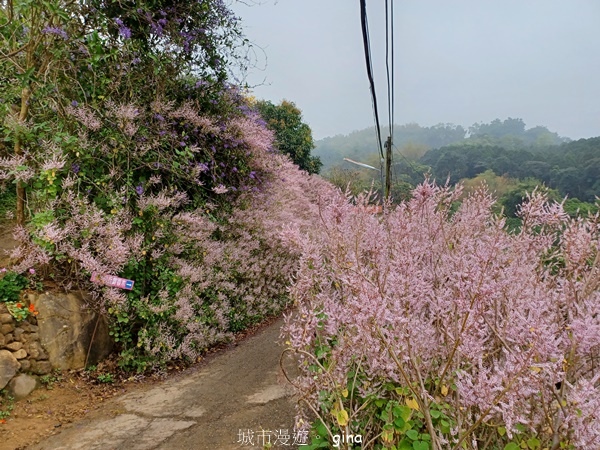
[110, 280]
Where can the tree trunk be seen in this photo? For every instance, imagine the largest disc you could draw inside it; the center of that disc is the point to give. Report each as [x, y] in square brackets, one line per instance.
[25, 95]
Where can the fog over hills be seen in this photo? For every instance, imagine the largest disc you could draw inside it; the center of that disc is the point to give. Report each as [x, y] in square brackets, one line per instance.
[413, 141]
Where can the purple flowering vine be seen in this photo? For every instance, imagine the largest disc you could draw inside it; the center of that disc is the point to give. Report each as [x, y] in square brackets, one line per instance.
[124, 30]
[57, 31]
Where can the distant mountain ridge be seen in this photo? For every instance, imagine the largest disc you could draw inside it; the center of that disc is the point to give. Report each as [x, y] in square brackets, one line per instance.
[501, 148]
[413, 140]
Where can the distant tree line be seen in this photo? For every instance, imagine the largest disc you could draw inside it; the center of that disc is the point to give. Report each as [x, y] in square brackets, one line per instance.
[361, 144]
[503, 153]
[572, 168]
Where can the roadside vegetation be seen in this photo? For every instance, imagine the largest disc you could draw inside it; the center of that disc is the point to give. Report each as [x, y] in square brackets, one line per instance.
[133, 153]
[433, 327]
[457, 319]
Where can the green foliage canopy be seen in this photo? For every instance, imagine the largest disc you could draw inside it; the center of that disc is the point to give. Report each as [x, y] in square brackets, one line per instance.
[293, 137]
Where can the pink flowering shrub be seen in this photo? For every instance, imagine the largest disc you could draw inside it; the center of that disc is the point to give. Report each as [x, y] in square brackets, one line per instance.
[196, 226]
[422, 328]
[133, 156]
[229, 274]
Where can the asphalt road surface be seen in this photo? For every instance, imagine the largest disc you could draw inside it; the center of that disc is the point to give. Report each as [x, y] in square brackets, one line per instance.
[238, 399]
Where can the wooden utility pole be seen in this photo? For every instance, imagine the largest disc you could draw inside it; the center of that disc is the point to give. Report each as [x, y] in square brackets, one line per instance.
[388, 167]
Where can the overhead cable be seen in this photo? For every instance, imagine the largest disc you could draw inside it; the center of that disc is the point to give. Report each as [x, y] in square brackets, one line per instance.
[387, 64]
[367, 46]
[393, 93]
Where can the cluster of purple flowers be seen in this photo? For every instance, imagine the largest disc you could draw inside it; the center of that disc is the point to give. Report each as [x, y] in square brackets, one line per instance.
[57, 31]
[124, 30]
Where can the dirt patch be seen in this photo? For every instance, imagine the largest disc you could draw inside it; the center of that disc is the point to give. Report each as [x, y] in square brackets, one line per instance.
[48, 409]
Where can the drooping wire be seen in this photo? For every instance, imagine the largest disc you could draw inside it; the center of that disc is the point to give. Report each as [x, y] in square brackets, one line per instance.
[393, 52]
[367, 46]
[389, 43]
[387, 63]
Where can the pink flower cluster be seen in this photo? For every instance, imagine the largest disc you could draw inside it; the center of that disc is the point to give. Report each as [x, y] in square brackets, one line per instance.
[244, 275]
[428, 298]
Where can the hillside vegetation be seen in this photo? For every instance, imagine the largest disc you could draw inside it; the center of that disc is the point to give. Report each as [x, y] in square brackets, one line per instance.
[520, 158]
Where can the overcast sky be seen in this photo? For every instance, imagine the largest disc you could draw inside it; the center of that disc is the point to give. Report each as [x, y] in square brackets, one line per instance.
[457, 61]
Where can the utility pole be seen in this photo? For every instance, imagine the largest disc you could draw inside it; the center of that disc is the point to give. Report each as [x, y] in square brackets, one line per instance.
[388, 167]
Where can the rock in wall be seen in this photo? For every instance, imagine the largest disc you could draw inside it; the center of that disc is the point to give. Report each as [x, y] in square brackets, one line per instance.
[67, 328]
[59, 337]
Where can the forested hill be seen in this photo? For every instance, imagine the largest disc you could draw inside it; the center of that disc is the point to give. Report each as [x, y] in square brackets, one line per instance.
[572, 168]
[361, 145]
[413, 140]
[503, 152]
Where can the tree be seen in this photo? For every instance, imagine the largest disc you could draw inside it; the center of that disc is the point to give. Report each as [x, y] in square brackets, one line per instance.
[514, 197]
[56, 55]
[452, 164]
[498, 128]
[413, 150]
[497, 185]
[293, 137]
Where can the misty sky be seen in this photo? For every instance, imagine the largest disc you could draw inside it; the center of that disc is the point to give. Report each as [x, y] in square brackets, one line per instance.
[457, 61]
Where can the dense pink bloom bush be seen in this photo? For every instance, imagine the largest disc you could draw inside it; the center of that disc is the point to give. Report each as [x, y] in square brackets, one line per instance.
[236, 272]
[196, 226]
[428, 328]
[135, 156]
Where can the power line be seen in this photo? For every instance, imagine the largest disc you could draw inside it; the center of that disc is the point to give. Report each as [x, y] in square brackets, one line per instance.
[389, 43]
[389, 29]
[387, 64]
[393, 52]
[367, 46]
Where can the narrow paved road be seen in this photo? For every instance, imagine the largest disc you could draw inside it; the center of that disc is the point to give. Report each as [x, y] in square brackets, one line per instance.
[222, 405]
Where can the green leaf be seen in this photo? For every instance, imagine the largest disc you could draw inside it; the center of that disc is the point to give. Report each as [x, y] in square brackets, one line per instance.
[533, 443]
[435, 413]
[341, 417]
[413, 434]
[420, 445]
[403, 411]
[321, 429]
[511, 446]
[405, 444]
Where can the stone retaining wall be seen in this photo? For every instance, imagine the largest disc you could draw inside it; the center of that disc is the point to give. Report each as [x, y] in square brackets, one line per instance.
[65, 335]
[20, 347]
